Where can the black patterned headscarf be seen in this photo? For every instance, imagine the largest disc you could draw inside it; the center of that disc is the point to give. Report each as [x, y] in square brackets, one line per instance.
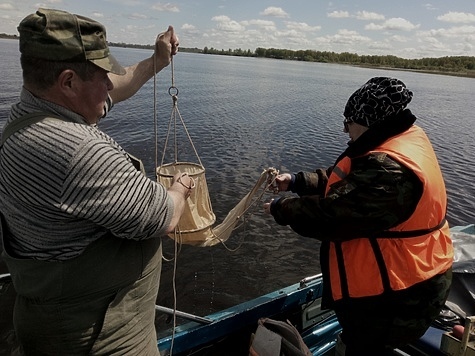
[378, 99]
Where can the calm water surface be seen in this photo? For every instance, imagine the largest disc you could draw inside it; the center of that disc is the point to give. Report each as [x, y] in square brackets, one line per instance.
[247, 114]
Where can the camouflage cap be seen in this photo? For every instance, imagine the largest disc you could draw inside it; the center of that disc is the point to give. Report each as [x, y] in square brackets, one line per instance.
[60, 36]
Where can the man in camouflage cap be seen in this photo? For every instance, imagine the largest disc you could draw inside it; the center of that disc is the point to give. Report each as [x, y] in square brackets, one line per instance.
[80, 224]
[379, 211]
[60, 36]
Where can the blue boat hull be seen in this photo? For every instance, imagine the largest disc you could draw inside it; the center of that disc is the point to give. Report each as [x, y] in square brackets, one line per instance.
[299, 303]
[230, 330]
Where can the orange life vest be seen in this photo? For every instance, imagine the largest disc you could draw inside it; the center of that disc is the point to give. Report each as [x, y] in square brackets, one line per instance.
[368, 266]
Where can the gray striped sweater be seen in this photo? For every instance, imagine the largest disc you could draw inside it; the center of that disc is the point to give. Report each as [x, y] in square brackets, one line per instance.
[65, 184]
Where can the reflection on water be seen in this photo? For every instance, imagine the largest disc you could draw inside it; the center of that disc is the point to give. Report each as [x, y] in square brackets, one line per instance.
[247, 114]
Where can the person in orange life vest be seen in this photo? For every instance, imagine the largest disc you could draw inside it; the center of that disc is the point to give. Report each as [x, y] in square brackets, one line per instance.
[379, 212]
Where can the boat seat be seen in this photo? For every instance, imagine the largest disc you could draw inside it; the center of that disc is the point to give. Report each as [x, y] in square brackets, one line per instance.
[428, 344]
[430, 341]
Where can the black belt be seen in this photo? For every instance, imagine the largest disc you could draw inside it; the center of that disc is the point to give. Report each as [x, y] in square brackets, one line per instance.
[410, 233]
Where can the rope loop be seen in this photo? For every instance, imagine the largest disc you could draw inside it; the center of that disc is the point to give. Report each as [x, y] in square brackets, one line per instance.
[173, 91]
[272, 174]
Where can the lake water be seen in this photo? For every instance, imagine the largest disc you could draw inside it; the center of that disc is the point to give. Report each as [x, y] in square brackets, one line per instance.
[247, 114]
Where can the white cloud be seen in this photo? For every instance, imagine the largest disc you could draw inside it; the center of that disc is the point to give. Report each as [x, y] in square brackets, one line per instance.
[166, 7]
[468, 47]
[438, 28]
[454, 41]
[263, 24]
[228, 25]
[431, 45]
[274, 12]
[221, 18]
[453, 32]
[430, 7]
[381, 47]
[457, 17]
[339, 14]
[349, 37]
[301, 26]
[393, 24]
[369, 16]
[398, 38]
[6, 7]
[189, 30]
[188, 27]
[290, 39]
[137, 16]
[120, 2]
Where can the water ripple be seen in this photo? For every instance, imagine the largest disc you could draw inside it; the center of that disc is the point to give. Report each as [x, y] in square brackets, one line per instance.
[246, 114]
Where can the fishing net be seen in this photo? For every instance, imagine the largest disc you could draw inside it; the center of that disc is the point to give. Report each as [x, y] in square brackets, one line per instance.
[196, 225]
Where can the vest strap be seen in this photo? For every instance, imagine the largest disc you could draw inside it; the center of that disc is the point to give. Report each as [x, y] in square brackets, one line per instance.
[341, 266]
[411, 233]
[24, 121]
[383, 270]
[35, 117]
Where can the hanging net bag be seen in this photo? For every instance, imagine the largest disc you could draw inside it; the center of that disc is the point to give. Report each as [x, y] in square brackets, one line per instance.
[198, 217]
[196, 224]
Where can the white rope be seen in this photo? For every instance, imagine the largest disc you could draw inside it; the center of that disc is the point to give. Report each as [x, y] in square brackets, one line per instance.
[173, 91]
[221, 232]
[155, 118]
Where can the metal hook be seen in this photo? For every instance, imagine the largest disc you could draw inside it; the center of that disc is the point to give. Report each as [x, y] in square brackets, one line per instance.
[173, 91]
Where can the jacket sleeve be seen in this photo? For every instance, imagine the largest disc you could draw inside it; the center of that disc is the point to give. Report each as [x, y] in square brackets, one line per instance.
[377, 194]
[310, 183]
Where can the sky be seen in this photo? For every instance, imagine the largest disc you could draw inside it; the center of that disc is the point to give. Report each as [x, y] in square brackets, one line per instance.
[403, 28]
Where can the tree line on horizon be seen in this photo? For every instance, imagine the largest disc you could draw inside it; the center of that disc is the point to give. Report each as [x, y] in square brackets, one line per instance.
[457, 65]
[447, 64]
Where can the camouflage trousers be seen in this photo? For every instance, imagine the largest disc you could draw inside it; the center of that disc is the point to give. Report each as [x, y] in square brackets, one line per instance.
[373, 325]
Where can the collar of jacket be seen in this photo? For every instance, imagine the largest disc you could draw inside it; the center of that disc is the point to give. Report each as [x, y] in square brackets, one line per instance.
[379, 133]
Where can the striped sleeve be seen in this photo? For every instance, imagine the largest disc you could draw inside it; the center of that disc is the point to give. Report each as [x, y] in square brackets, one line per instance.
[63, 185]
[103, 186]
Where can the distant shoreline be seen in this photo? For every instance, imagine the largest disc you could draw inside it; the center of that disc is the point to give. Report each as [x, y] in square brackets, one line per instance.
[465, 74]
[426, 71]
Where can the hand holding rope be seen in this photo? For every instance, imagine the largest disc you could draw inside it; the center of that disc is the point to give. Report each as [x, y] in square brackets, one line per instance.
[191, 183]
